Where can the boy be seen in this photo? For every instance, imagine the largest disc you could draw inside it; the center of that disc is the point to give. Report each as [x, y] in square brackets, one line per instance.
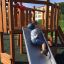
[37, 38]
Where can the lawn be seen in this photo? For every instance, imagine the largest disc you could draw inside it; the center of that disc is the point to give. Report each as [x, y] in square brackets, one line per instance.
[61, 23]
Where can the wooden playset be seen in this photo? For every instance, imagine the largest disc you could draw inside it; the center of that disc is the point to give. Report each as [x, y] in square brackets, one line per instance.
[14, 16]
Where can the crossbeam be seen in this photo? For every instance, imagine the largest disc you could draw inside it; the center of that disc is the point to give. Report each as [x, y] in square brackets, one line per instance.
[32, 1]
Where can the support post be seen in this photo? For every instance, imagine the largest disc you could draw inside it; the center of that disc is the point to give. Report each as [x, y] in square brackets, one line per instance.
[21, 41]
[1, 43]
[12, 48]
[52, 17]
[26, 17]
[34, 15]
[30, 16]
[47, 16]
[4, 15]
[11, 28]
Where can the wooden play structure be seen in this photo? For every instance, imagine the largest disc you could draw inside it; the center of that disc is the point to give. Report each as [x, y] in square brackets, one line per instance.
[14, 16]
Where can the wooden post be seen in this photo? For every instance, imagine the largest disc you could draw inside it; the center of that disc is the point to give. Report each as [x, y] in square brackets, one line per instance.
[10, 15]
[1, 21]
[15, 17]
[11, 28]
[4, 15]
[55, 17]
[19, 18]
[26, 17]
[43, 21]
[22, 18]
[47, 16]
[1, 30]
[12, 48]
[52, 17]
[21, 41]
[34, 15]
[1, 43]
[30, 16]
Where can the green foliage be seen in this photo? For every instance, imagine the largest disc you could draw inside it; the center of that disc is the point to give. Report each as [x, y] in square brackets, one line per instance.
[40, 21]
[62, 7]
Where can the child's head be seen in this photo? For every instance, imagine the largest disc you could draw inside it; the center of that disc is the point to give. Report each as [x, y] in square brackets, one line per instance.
[31, 26]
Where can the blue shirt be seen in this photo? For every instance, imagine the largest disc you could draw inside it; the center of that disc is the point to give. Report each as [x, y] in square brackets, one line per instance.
[37, 37]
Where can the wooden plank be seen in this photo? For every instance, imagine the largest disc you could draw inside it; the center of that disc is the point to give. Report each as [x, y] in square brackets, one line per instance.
[31, 1]
[35, 2]
[10, 15]
[47, 16]
[5, 58]
[12, 48]
[15, 17]
[52, 10]
[57, 17]
[1, 43]
[35, 9]
[53, 18]
[26, 17]
[30, 16]
[19, 19]
[1, 21]
[34, 14]
[22, 18]
[4, 15]
[43, 20]
[21, 41]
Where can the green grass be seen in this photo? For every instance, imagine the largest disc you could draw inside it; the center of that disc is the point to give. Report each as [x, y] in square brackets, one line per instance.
[61, 23]
[40, 21]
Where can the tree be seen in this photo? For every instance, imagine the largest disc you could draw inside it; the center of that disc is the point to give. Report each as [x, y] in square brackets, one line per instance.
[62, 7]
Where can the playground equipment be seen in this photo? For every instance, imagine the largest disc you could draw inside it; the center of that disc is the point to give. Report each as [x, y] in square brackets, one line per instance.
[33, 52]
[13, 17]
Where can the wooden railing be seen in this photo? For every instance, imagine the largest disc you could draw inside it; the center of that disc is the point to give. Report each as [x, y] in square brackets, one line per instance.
[60, 34]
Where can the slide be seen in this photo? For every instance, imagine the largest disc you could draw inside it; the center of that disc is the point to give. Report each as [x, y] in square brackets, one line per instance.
[33, 53]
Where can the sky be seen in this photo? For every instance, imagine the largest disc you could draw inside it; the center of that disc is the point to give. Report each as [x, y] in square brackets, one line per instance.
[56, 0]
[37, 5]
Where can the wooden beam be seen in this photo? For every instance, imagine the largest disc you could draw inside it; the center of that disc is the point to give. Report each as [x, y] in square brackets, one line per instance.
[35, 2]
[26, 17]
[15, 17]
[34, 14]
[47, 16]
[21, 41]
[10, 15]
[12, 48]
[52, 19]
[30, 16]
[1, 43]
[22, 18]
[57, 17]
[4, 15]
[1, 21]
[31, 1]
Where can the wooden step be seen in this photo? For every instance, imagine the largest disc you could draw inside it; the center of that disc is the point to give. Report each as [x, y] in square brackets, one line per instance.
[5, 58]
